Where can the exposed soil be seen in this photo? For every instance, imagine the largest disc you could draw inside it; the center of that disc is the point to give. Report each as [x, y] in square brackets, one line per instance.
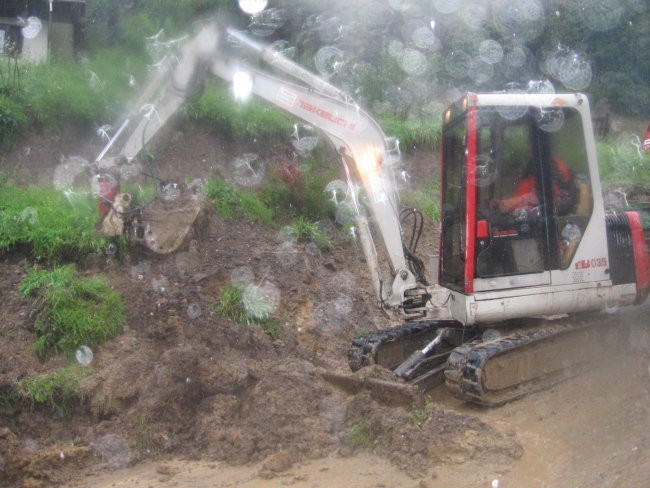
[185, 399]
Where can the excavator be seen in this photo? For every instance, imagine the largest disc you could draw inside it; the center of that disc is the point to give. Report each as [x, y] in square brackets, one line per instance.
[517, 289]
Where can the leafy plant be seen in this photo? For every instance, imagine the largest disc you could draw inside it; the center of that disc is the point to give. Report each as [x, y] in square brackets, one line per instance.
[12, 118]
[231, 202]
[293, 191]
[57, 390]
[52, 226]
[71, 311]
[304, 230]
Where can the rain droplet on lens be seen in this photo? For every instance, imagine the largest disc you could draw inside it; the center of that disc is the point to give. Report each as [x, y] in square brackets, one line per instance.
[84, 355]
[193, 311]
[111, 249]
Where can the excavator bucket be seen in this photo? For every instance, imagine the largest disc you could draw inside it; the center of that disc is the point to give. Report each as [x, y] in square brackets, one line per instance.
[171, 220]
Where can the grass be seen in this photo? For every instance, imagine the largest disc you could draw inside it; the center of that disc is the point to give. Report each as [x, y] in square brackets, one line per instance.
[412, 134]
[71, 311]
[57, 390]
[217, 109]
[623, 164]
[428, 200]
[232, 203]
[359, 436]
[50, 225]
[303, 230]
[247, 309]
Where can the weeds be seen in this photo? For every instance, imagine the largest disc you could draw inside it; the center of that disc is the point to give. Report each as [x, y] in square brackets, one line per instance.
[145, 438]
[622, 163]
[57, 390]
[230, 202]
[50, 225]
[256, 119]
[359, 436]
[428, 201]
[244, 309]
[420, 415]
[303, 230]
[71, 311]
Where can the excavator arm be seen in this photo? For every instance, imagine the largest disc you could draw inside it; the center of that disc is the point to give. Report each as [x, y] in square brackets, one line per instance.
[356, 135]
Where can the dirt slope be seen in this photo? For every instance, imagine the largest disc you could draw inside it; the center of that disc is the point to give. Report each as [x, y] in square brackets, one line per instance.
[181, 392]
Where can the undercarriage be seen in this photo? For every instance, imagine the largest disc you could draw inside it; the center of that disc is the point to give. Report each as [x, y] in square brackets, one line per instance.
[490, 366]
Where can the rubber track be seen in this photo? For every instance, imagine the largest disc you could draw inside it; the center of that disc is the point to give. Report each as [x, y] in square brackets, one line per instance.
[364, 349]
[464, 375]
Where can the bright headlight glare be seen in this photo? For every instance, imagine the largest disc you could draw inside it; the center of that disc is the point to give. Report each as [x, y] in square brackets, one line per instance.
[242, 85]
[252, 7]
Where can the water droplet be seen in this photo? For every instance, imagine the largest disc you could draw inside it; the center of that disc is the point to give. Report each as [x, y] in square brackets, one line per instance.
[516, 57]
[193, 311]
[242, 276]
[338, 189]
[513, 112]
[491, 335]
[29, 215]
[601, 15]
[332, 317]
[457, 64]
[67, 171]
[414, 62]
[261, 301]
[523, 20]
[113, 449]
[304, 139]
[396, 48]
[550, 120]
[84, 355]
[111, 249]
[345, 214]
[446, 6]
[267, 22]
[569, 67]
[287, 253]
[490, 51]
[480, 71]
[329, 60]
[170, 192]
[247, 170]
[424, 38]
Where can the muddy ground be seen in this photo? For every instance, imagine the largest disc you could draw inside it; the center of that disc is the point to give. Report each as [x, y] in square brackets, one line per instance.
[185, 399]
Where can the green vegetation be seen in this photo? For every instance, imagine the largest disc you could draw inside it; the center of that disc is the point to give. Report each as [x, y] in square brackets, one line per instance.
[58, 390]
[291, 191]
[421, 414]
[303, 230]
[428, 200]
[247, 309]
[51, 225]
[231, 203]
[71, 311]
[217, 109]
[359, 436]
[621, 163]
[413, 133]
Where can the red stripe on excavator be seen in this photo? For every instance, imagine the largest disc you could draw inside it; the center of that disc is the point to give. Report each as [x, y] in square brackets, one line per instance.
[641, 263]
[470, 200]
